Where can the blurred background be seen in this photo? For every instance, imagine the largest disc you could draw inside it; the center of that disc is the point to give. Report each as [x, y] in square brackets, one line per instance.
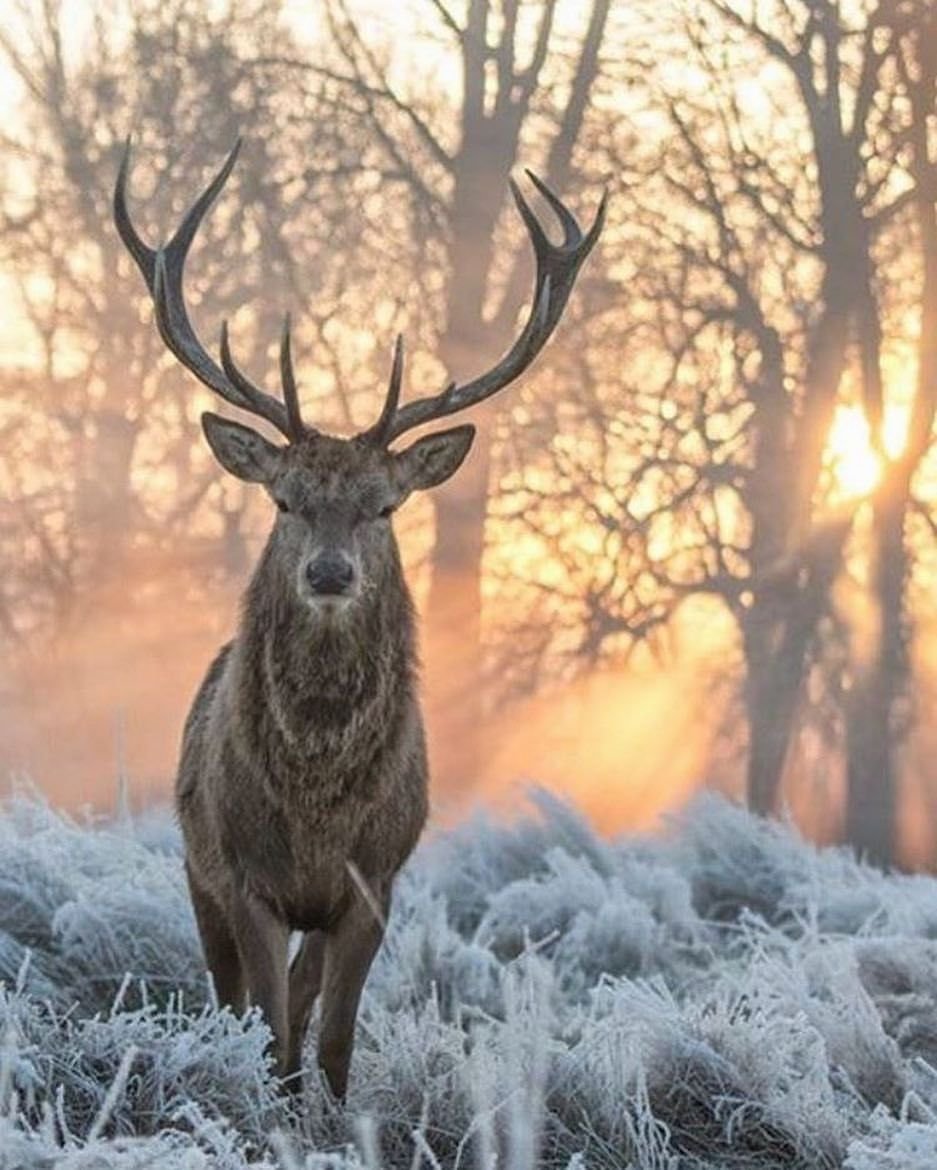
[696, 545]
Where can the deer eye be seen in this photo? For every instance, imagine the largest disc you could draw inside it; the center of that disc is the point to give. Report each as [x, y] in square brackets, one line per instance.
[282, 505]
[387, 511]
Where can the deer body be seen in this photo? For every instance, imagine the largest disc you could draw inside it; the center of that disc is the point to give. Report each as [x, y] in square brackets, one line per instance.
[303, 753]
[302, 786]
[303, 774]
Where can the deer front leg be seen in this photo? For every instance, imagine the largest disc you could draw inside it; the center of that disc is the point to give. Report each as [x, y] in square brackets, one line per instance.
[218, 945]
[263, 942]
[305, 981]
[349, 951]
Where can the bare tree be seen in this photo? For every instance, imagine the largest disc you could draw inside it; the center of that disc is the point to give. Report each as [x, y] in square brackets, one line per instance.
[755, 306]
[878, 698]
[108, 504]
[99, 411]
[506, 114]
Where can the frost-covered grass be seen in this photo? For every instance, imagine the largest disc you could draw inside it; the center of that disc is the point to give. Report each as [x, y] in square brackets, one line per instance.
[721, 996]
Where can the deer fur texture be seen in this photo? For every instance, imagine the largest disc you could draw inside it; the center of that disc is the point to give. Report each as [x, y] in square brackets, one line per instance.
[303, 762]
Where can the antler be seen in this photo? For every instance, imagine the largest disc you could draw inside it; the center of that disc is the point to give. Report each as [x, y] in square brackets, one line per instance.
[163, 269]
[557, 268]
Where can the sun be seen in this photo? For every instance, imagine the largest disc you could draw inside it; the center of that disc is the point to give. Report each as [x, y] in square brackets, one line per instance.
[854, 462]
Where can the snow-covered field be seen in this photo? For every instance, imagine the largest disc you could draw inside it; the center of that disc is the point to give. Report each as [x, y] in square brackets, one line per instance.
[720, 996]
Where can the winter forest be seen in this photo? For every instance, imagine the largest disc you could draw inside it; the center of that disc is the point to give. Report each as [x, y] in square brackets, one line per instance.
[694, 547]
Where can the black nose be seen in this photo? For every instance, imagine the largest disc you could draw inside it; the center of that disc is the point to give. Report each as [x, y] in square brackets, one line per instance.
[330, 573]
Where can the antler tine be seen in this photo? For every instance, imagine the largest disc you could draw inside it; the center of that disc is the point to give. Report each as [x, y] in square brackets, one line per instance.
[163, 270]
[557, 266]
[380, 432]
[143, 255]
[244, 389]
[290, 388]
[572, 233]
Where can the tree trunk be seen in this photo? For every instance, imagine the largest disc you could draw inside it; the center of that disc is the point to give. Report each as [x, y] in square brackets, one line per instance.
[777, 634]
[879, 682]
[453, 648]
[487, 153]
[882, 681]
[771, 691]
[453, 645]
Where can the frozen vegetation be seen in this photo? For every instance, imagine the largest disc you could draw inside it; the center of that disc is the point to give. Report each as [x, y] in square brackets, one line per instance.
[720, 996]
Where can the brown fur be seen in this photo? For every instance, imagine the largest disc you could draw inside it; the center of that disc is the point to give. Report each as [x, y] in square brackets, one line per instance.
[303, 754]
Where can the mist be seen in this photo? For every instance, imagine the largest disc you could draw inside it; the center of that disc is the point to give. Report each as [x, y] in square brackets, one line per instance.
[693, 546]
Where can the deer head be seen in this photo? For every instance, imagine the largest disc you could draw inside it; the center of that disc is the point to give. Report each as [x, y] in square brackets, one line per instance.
[335, 496]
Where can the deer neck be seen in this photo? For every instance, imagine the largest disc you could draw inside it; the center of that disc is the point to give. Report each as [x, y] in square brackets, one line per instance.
[311, 677]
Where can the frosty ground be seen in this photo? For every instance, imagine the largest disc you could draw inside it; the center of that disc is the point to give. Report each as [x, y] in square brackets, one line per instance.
[721, 995]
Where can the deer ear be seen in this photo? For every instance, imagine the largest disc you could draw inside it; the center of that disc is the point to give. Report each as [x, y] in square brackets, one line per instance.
[240, 450]
[431, 460]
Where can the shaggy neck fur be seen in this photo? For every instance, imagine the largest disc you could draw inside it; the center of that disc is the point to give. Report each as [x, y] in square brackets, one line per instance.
[331, 689]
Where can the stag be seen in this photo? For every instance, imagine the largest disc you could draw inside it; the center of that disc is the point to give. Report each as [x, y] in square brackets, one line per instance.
[302, 783]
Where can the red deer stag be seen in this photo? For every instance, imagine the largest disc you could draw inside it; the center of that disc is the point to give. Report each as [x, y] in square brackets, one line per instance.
[302, 785]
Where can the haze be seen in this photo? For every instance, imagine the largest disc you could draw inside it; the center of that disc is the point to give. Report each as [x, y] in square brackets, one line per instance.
[695, 546]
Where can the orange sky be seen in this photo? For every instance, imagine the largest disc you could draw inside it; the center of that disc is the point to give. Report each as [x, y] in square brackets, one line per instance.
[572, 738]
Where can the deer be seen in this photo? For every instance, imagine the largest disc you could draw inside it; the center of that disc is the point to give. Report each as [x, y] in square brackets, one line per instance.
[302, 784]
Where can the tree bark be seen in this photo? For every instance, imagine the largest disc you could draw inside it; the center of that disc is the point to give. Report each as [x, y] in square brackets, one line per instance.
[453, 639]
[777, 637]
[878, 684]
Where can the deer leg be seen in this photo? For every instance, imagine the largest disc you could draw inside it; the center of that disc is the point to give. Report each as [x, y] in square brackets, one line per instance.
[218, 946]
[263, 942]
[305, 981]
[349, 951]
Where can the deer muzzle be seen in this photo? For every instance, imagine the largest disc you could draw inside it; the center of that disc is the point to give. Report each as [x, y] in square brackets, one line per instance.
[330, 574]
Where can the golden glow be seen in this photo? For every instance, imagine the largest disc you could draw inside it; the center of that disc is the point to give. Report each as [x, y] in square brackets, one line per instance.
[852, 458]
[856, 465]
[625, 746]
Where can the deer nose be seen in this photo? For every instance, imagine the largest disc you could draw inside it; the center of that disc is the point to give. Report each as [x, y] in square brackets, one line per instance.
[330, 574]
